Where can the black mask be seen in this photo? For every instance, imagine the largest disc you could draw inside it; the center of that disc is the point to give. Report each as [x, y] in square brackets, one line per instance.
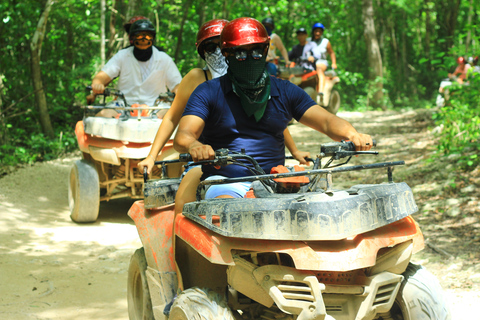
[143, 55]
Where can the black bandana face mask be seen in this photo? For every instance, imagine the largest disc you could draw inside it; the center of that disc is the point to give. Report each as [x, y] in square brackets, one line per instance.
[143, 55]
[251, 83]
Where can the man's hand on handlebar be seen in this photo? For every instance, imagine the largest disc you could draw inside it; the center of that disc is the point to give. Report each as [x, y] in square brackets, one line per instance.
[201, 152]
[362, 142]
[98, 88]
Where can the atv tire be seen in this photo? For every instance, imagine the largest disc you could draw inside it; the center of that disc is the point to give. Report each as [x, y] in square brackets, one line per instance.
[196, 303]
[311, 92]
[84, 192]
[334, 103]
[138, 294]
[420, 297]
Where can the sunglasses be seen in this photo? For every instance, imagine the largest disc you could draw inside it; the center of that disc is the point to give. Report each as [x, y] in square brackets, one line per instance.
[144, 36]
[211, 47]
[242, 54]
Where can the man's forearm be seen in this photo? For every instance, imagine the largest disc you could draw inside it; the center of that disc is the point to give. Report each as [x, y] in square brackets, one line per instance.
[185, 141]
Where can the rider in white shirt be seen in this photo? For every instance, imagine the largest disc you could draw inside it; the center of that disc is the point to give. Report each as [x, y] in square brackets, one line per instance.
[143, 71]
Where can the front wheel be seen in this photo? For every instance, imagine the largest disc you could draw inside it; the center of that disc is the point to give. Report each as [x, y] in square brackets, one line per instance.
[334, 103]
[84, 192]
[196, 303]
[138, 294]
[420, 297]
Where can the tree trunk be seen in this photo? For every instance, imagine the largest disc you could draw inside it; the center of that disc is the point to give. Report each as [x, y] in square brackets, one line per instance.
[447, 12]
[469, 23]
[186, 7]
[113, 30]
[428, 28]
[102, 32]
[373, 53]
[35, 49]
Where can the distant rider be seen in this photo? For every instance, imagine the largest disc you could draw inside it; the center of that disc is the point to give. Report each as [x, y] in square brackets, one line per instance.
[301, 51]
[323, 48]
[275, 43]
[143, 71]
[461, 71]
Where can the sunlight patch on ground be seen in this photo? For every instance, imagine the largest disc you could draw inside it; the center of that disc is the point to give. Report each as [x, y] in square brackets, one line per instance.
[102, 233]
[110, 310]
[60, 239]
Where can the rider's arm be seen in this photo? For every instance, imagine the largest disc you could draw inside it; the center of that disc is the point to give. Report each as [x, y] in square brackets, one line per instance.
[281, 47]
[332, 55]
[292, 147]
[336, 128]
[172, 117]
[186, 140]
[99, 82]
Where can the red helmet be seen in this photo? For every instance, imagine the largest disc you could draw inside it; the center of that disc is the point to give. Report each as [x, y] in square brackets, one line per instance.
[460, 60]
[127, 25]
[209, 29]
[243, 31]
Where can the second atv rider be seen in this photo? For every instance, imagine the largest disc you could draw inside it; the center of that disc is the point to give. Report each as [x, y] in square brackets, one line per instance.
[248, 109]
[320, 52]
[143, 71]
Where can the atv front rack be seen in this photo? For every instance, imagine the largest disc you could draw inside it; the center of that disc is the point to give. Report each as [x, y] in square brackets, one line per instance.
[306, 216]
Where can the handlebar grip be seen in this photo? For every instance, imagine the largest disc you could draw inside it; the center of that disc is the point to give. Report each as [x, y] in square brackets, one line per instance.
[185, 157]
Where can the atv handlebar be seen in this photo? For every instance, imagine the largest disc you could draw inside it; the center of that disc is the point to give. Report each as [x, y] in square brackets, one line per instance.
[338, 150]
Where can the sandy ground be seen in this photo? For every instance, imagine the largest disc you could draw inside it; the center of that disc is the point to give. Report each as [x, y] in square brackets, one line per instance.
[52, 268]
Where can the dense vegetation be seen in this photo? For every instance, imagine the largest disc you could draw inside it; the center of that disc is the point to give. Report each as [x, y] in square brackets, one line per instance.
[419, 42]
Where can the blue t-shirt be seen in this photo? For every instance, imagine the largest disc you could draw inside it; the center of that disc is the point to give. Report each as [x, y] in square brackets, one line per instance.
[228, 126]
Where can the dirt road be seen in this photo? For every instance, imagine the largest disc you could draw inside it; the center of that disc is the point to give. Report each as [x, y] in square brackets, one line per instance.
[51, 268]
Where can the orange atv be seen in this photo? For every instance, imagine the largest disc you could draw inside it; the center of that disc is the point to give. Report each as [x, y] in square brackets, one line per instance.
[307, 79]
[294, 248]
[111, 149]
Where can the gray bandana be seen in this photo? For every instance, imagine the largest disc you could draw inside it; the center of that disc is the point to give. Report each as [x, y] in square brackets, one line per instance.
[216, 63]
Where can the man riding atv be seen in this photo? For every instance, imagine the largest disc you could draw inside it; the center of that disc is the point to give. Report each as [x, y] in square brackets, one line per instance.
[301, 51]
[248, 110]
[143, 71]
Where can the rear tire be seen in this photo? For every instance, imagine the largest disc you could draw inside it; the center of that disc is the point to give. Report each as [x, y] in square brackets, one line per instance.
[84, 192]
[138, 294]
[420, 297]
[196, 303]
[334, 103]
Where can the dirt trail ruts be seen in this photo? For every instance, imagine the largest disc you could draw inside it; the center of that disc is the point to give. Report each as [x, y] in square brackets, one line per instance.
[51, 268]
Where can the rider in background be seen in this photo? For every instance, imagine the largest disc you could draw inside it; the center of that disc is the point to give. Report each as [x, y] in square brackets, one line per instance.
[461, 71]
[275, 43]
[302, 50]
[475, 68]
[323, 48]
[143, 71]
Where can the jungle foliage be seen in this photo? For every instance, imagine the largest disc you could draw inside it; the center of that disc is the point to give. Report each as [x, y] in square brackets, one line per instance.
[419, 41]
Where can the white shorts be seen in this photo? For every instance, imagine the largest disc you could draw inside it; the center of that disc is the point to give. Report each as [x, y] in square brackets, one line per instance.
[321, 61]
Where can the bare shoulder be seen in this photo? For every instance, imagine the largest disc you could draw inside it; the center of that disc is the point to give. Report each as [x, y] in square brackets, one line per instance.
[194, 77]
